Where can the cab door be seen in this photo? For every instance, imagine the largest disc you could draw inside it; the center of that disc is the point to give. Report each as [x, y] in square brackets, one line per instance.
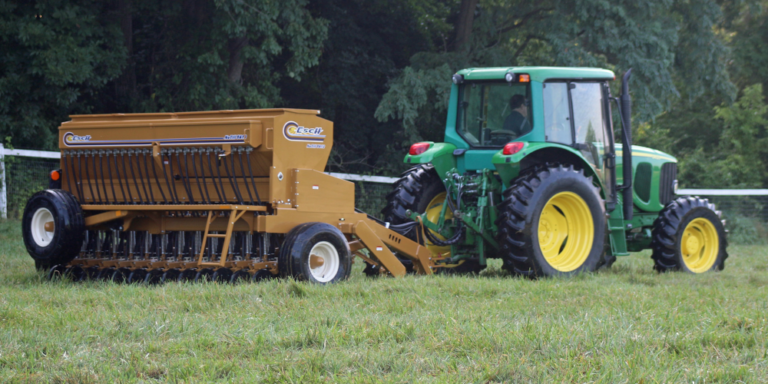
[578, 114]
[592, 132]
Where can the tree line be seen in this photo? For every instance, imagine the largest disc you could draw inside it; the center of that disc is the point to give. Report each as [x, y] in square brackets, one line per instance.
[380, 69]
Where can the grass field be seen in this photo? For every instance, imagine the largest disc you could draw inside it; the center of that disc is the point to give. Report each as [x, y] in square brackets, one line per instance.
[627, 324]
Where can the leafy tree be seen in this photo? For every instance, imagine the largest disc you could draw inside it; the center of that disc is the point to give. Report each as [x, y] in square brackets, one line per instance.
[221, 54]
[56, 56]
[659, 39]
[696, 128]
[63, 57]
[747, 31]
[368, 42]
[739, 156]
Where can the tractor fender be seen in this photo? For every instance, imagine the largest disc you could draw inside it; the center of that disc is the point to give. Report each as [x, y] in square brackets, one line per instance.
[440, 155]
[510, 166]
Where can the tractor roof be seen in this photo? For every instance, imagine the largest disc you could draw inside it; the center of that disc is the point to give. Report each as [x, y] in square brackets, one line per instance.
[538, 73]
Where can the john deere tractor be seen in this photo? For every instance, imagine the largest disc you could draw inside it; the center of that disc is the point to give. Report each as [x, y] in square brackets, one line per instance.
[530, 173]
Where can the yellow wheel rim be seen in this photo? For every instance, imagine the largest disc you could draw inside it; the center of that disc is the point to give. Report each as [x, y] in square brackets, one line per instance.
[433, 215]
[699, 245]
[566, 231]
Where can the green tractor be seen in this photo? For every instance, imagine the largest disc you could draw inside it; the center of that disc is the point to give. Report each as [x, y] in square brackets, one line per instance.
[529, 172]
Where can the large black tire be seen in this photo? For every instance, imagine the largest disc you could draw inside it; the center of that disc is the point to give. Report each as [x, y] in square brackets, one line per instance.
[414, 191]
[320, 239]
[668, 234]
[64, 244]
[521, 210]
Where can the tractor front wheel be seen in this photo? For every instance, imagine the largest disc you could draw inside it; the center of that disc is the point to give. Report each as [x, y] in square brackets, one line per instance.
[552, 223]
[689, 236]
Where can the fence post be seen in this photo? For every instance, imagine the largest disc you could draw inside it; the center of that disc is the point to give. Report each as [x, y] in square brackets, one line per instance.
[3, 198]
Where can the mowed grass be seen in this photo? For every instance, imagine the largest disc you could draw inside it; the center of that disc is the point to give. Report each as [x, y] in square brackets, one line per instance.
[627, 324]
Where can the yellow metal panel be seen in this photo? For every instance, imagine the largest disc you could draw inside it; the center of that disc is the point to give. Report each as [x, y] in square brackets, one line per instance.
[269, 138]
[287, 218]
[377, 247]
[317, 192]
[254, 134]
[105, 217]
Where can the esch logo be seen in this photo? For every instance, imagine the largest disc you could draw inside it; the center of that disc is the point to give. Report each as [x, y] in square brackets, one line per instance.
[70, 137]
[294, 132]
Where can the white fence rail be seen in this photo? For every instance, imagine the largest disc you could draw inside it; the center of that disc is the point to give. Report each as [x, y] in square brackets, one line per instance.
[3, 198]
[723, 192]
[347, 176]
[20, 153]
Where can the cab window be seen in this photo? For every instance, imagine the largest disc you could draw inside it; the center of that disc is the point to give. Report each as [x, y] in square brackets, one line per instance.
[492, 114]
[588, 121]
[575, 115]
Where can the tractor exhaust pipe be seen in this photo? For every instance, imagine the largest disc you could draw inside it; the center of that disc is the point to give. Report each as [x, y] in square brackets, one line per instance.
[625, 110]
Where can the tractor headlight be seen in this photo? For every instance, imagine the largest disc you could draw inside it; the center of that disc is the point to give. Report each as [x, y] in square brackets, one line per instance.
[509, 77]
[458, 79]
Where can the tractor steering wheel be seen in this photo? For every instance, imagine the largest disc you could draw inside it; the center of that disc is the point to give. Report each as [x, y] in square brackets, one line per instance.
[502, 137]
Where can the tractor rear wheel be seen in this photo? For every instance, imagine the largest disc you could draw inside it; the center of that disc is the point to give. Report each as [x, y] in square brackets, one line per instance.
[53, 228]
[689, 236]
[420, 190]
[552, 223]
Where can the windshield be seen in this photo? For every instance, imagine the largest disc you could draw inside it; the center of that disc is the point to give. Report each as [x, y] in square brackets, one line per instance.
[492, 114]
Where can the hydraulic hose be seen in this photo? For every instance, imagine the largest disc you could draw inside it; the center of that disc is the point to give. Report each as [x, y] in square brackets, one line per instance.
[444, 243]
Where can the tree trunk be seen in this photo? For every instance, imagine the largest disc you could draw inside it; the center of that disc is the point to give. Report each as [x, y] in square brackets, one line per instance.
[235, 71]
[464, 23]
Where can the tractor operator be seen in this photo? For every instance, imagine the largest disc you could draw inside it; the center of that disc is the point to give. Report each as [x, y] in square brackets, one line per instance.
[517, 121]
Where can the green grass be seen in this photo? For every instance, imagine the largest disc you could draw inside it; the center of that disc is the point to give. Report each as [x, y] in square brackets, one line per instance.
[627, 324]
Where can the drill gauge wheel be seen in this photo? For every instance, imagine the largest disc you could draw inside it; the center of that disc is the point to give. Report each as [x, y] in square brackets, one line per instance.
[53, 228]
[315, 252]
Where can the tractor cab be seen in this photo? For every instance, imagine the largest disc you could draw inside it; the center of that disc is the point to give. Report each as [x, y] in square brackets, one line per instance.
[564, 110]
